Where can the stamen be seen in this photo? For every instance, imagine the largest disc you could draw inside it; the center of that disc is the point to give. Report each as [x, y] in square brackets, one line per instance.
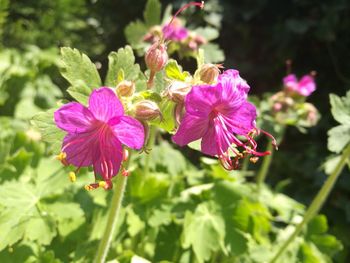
[125, 155]
[254, 159]
[72, 177]
[62, 158]
[125, 172]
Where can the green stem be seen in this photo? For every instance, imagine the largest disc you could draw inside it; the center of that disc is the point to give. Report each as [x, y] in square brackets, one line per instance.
[150, 143]
[245, 164]
[317, 202]
[114, 211]
[264, 169]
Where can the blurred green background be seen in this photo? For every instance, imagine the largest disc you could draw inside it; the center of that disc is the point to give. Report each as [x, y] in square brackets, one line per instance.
[257, 38]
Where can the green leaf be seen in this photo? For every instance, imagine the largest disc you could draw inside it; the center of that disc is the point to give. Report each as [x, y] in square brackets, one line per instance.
[40, 230]
[236, 240]
[174, 71]
[124, 60]
[341, 108]
[80, 72]
[152, 12]
[338, 138]
[209, 33]
[18, 201]
[327, 244]
[134, 32]
[134, 222]
[204, 231]
[50, 133]
[213, 54]
[318, 225]
[167, 109]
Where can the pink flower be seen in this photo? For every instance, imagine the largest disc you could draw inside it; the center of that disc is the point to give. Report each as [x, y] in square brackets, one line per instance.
[304, 87]
[175, 31]
[217, 114]
[95, 134]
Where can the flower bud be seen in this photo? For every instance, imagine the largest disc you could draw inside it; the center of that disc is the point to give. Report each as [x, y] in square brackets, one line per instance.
[125, 88]
[156, 57]
[209, 73]
[147, 110]
[177, 91]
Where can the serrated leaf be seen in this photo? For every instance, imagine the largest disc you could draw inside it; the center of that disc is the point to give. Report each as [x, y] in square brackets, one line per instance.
[80, 72]
[204, 231]
[341, 108]
[209, 33]
[213, 53]
[338, 138]
[134, 32]
[134, 222]
[50, 132]
[40, 230]
[174, 71]
[152, 12]
[124, 60]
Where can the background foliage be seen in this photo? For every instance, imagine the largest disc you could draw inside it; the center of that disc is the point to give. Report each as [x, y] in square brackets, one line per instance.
[182, 201]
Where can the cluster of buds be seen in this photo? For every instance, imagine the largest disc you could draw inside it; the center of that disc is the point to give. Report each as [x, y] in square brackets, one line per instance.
[289, 107]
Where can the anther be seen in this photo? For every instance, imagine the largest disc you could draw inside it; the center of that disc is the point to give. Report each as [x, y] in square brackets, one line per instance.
[72, 177]
[125, 155]
[62, 158]
[254, 159]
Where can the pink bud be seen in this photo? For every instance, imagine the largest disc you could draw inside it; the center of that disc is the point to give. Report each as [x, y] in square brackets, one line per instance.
[147, 110]
[156, 57]
[209, 73]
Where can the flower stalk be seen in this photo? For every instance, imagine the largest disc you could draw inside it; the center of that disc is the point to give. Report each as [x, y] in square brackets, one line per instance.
[317, 203]
[114, 212]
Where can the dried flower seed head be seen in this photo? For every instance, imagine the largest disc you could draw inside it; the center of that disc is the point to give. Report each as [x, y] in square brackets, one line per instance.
[125, 88]
[209, 73]
[147, 110]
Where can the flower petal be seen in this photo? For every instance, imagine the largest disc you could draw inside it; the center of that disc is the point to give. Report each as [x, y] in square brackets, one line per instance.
[239, 83]
[191, 129]
[290, 81]
[108, 159]
[201, 100]
[79, 148]
[73, 117]
[128, 131]
[104, 104]
[242, 120]
[307, 85]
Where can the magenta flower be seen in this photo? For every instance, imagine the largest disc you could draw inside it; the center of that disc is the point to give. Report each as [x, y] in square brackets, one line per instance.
[175, 31]
[96, 133]
[217, 114]
[304, 87]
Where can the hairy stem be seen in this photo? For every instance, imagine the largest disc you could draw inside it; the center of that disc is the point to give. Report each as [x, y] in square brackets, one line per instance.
[150, 143]
[114, 212]
[317, 202]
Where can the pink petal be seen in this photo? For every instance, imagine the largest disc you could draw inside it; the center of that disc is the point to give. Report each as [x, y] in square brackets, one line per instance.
[242, 120]
[238, 82]
[291, 82]
[201, 100]
[108, 158]
[214, 142]
[73, 117]
[307, 85]
[128, 131]
[191, 129]
[104, 104]
[79, 148]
